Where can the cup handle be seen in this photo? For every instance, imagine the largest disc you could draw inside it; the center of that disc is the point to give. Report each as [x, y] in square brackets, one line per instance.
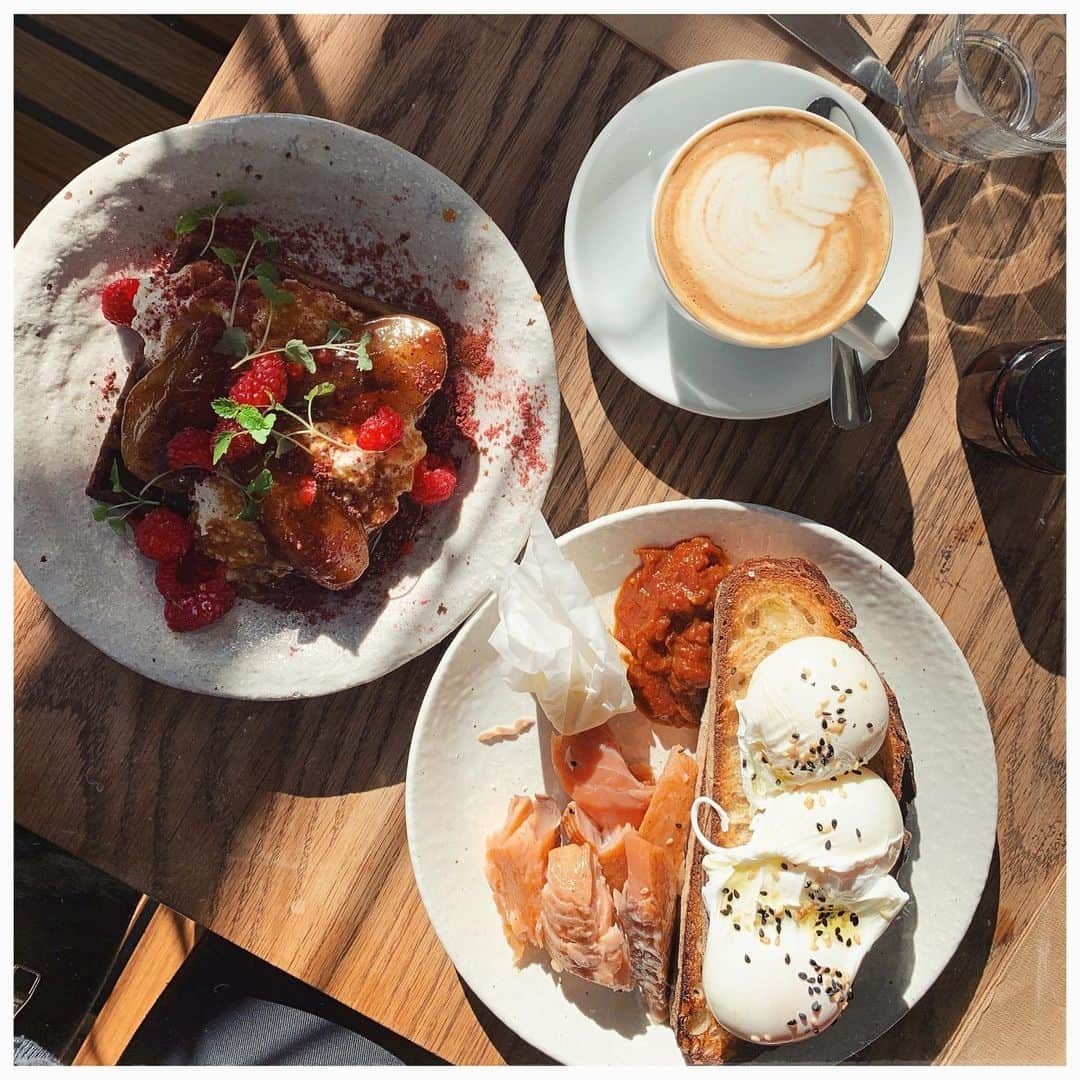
[869, 334]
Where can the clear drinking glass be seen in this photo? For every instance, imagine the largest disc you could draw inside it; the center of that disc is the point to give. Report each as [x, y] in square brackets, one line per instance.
[989, 86]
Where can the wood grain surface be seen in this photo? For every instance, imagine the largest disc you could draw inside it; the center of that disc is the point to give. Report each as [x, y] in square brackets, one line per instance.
[281, 826]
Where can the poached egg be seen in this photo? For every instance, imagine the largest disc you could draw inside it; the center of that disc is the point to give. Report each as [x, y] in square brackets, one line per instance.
[795, 910]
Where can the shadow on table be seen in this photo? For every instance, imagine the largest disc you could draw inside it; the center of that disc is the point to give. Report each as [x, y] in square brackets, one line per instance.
[514, 1050]
[987, 215]
[567, 503]
[924, 1032]
[853, 481]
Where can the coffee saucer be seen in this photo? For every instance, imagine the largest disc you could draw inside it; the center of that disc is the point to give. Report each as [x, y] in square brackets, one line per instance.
[616, 286]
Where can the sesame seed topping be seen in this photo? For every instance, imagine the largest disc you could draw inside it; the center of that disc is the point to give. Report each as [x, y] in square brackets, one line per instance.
[746, 957]
[828, 845]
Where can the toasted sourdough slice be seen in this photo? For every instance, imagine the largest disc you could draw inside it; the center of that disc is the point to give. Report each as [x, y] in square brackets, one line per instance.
[762, 604]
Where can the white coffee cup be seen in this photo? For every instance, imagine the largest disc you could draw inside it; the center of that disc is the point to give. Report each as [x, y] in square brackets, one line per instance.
[865, 330]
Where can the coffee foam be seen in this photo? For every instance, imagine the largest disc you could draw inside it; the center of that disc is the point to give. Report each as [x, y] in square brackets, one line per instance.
[773, 228]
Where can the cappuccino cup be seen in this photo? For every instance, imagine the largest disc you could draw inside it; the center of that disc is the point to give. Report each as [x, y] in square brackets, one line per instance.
[771, 228]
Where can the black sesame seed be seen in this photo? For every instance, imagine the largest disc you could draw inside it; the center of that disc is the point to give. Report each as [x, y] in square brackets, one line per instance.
[834, 823]
[746, 957]
[854, 919]
[828, 845]
[816, 1007]
[820, 827]
[858, 833]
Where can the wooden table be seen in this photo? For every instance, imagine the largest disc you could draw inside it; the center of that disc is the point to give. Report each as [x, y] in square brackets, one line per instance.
[281, 826]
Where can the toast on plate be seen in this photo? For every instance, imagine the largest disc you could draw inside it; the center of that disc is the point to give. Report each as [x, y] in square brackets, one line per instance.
[762, 604]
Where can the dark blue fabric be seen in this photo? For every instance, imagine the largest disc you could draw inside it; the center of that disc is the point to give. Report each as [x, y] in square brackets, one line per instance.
[27, 1052]
[227, 1007]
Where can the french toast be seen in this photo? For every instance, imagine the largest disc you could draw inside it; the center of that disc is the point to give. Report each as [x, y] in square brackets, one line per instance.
[762, 604]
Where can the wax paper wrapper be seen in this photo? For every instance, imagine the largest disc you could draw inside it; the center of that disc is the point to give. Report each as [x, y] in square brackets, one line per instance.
[553, 642]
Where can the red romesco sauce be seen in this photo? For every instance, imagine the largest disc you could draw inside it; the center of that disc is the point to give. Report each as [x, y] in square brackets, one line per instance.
[664, 618]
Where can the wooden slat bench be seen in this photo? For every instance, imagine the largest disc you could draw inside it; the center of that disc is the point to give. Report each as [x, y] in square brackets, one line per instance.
[88, 84]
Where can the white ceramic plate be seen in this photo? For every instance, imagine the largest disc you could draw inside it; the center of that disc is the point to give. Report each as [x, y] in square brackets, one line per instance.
[457, 789]
[617, 289]
[350, 188]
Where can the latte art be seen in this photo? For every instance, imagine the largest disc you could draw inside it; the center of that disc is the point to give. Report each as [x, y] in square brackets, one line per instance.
[773, 229]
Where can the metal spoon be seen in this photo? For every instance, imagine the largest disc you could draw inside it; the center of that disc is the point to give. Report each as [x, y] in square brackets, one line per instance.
[849, 401]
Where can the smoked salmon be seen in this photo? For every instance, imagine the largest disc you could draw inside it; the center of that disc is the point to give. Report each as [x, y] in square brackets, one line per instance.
[578, 828]
[667, 820]
[594, 774]
[516, 865]
[646, 908]
[577, 919]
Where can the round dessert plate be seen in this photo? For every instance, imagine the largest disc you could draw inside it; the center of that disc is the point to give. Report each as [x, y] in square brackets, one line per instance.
[457, 790]
[617, 288]
[350, 193]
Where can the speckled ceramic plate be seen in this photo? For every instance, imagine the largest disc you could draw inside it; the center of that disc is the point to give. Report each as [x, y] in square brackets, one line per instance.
[354, 192]
[457, 789]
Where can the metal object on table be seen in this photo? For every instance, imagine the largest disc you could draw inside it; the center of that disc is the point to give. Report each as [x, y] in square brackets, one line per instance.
[839, 44]
[849, 401]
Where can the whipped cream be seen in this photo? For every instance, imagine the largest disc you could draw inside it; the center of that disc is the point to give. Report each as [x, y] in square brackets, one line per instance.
[795, 910]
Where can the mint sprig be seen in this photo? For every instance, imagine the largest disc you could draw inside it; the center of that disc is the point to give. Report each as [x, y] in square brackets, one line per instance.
[251, 420]
[190, 220]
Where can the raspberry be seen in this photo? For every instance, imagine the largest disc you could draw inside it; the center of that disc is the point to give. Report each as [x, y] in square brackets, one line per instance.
[191, 446]
[306, 491]
[434, 479]
[194, 573]
[199, 609]
[295, 370]
[118, 300]
[264, 382]
[162, 534]
[241, 445]
[382, 431]
[324, 356]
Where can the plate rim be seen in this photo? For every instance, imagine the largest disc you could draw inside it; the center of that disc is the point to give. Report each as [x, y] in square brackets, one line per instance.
[578, 285]
[85, 627]
[647, 510]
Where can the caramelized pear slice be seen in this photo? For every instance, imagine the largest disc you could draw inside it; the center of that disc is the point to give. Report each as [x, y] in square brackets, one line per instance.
[320, 540]
[408, 362]
[176, 393]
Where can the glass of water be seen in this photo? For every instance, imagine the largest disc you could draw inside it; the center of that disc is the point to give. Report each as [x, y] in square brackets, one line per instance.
[989, 86]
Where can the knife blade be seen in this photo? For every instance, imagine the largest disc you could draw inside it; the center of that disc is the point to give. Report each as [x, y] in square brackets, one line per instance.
[838, 43]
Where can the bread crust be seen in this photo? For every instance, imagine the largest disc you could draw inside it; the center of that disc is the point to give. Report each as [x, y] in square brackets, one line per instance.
[762, 604]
